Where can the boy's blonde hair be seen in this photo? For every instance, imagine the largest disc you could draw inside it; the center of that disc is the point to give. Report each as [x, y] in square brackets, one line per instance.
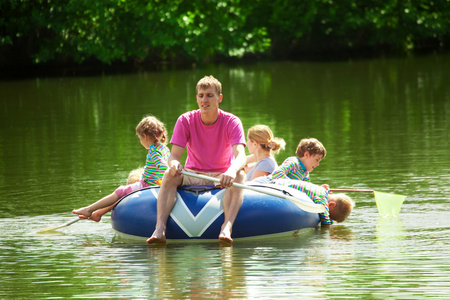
[154, 128]
[135, 175]
[312, 145]
[207, 82]
[344, 206]
[264, 137]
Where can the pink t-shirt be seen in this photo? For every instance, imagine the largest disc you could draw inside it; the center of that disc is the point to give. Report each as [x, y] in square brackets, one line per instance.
[209, 147]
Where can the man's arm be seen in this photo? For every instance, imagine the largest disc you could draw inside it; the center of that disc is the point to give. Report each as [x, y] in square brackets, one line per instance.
[173, 162]
[240, 160]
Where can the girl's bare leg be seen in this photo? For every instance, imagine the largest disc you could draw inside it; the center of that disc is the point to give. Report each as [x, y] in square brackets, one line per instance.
[86, 212]
[97, 215]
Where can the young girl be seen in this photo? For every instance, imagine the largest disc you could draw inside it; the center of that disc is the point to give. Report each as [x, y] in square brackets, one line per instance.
[153, 136]
[262, 145]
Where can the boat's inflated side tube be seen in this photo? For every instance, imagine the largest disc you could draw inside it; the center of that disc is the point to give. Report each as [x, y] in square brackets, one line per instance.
[198, 213]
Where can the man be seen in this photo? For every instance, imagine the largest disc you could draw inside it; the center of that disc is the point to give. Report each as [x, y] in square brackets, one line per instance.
[215, 143]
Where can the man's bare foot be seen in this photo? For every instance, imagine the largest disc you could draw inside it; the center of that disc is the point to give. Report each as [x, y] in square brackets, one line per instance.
[158, 236]
[225, 236]
[83, 212]
[225, 240]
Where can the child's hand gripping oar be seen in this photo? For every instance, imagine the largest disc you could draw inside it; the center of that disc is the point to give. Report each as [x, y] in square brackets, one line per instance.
[49, 229]
[387, 204]
[309, 207]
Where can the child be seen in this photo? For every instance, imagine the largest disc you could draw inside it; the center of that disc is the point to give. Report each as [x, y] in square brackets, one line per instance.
[294, 173]
[153, 136]
[308, 155]
[338, 206]
[135, 175]
[262, 145]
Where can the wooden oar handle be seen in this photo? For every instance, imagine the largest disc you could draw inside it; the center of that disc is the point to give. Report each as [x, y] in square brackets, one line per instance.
[351, 190]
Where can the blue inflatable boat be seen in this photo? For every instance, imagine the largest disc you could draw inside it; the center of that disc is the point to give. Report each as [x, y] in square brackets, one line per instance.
[198, 214]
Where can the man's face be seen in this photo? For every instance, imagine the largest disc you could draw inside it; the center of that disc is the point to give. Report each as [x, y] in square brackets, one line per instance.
[208, 100]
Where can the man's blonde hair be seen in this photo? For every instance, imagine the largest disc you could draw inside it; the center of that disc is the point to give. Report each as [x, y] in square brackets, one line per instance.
[207, 82]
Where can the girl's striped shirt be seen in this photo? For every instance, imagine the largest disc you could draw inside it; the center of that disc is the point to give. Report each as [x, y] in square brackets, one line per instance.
[291, 168]
[155, 163]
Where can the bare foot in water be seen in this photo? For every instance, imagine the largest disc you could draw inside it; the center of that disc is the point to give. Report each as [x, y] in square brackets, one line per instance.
[158, 236]
[225, 236]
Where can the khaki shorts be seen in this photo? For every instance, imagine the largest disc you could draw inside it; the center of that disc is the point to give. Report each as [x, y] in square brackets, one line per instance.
[189, 180]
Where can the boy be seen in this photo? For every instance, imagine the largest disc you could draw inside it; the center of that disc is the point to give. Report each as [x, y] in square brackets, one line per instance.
[308, 155]
[294, 173]
[338, 206]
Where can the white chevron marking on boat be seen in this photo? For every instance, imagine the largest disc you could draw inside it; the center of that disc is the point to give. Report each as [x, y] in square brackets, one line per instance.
[194, 226]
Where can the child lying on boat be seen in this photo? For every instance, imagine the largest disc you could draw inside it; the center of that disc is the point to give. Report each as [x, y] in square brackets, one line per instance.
[338, 206]
[153, 136]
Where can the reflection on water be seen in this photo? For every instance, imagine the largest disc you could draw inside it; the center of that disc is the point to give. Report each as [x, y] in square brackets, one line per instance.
[66, 142]
[391, 236]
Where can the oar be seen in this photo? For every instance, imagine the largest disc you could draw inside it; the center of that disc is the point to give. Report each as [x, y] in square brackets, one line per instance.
[48, 229]
[309, 207]
[387, 204]
[352, 190]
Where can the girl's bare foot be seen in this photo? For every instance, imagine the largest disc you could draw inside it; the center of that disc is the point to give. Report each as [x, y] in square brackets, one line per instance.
[96, 216]
[83, 212]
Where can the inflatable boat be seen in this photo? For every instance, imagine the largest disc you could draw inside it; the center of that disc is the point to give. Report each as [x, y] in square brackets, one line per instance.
[198, 214]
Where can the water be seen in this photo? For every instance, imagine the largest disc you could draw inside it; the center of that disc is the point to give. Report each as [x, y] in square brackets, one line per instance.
[66, 142]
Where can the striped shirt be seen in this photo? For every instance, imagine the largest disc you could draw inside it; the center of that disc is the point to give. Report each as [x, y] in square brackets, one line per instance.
[291, 168]
[155, 163]
[317, 193]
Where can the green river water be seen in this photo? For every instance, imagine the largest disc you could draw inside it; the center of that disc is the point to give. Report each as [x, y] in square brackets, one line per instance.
[66, 142]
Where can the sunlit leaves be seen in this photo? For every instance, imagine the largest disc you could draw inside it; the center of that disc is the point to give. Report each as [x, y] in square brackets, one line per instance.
[124, 30]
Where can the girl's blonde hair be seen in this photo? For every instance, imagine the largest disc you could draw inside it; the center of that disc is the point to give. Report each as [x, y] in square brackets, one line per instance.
[344, 206]
[312, 145]
[264, 137]
[152, 127]
[135, 175]
[207, 82]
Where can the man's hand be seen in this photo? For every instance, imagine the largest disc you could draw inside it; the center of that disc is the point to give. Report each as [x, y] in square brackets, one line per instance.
[175, 169]
[227, 178]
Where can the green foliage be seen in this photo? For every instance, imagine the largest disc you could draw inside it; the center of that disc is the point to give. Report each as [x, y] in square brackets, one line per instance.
[123, 30]
[111, 30]
[317, 24]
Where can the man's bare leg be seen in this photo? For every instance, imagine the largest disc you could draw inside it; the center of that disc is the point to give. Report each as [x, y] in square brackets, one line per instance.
[166, 200]
[232, 201]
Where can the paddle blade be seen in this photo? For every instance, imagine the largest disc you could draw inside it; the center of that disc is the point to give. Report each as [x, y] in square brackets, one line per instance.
[388, 204]
[50, 229]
